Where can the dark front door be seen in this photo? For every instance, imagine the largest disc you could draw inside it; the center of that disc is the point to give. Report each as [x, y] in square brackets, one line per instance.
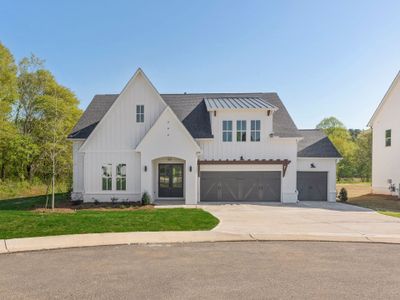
[170, 180]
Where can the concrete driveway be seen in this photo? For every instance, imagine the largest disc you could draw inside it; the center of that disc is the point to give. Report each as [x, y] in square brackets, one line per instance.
[305, 218]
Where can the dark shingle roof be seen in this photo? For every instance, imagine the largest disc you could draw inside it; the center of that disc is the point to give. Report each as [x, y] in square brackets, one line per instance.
[191, 110]
[93, 114]
[316, 144]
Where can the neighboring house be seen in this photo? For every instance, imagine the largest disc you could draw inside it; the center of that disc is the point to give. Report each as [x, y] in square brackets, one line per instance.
[197, 147]
[385, 124]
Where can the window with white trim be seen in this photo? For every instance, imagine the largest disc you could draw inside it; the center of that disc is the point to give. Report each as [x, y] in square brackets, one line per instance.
[388, 138]
[241, 130]
[227, 131]
[121, 177]
[139, 113]
[106, 177]
[255, 130]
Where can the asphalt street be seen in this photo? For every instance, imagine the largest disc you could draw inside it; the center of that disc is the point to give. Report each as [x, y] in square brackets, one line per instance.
[230, 270]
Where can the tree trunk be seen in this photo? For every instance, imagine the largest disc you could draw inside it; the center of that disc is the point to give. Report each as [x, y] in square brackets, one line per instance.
[3, 171]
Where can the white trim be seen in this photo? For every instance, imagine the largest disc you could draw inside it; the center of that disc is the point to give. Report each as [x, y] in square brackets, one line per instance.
[384, 99]
[138, 71]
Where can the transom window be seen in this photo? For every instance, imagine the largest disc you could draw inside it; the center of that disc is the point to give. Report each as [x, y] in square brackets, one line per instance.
[107, 177]
[388, 137]
[227, 131]
[255, 130]
[121, 177]
[139, 113]
[241, 130]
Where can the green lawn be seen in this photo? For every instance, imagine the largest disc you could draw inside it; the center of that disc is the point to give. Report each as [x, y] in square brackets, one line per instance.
[16, 220]
[390, 213]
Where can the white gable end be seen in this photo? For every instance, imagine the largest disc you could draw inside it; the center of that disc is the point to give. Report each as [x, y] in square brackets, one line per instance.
[168, 137]
[118, 130]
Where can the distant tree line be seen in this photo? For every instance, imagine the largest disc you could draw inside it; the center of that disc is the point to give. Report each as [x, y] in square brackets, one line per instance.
[36, 114]
[354, 145]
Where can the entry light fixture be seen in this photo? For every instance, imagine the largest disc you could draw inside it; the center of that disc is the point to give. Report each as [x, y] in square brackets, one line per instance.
[241, 158]
[312, 166]
[190, 169]
[145, 168]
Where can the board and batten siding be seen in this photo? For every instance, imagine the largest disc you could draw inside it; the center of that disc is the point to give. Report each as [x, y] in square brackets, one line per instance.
[266, 148]
[115, 138]
[385, 160]
[78, 170]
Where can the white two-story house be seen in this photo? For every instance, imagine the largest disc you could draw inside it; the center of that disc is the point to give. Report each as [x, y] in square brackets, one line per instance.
[226, 147]
[385, 124]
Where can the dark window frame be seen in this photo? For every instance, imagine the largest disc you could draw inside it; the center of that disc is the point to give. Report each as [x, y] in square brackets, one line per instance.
[140, 113]
[241, 130]
[388, 137]
[227, 130]
[255, 130]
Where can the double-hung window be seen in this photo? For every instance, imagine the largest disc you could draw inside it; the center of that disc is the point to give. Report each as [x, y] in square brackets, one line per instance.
[227, 131]
[139, 113]
[255, 130]
[388, 138]
[121, 177]
[107, 177]
[241, 130]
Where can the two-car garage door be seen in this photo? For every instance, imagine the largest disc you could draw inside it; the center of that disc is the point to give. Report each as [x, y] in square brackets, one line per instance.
[240, 186]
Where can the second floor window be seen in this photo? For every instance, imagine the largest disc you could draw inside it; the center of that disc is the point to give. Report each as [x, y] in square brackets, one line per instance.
[139, 113]
[241, 131]
[255, 130]
[106, 177]
[227, 131]
[121, 177]
[388, 138]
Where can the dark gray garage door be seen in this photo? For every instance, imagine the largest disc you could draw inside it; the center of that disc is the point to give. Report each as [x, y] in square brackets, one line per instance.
[240, 186]
[312, 186]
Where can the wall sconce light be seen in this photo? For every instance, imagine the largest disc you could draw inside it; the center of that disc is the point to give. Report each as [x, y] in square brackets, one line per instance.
[190, 169]
[312, 166]
[145, 168]
[241, 158]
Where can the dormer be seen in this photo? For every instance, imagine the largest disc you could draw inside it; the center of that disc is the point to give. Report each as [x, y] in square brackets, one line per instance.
[241, 106]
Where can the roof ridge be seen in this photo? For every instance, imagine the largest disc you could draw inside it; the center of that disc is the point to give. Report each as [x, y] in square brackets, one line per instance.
[310, 129]
[220, 93]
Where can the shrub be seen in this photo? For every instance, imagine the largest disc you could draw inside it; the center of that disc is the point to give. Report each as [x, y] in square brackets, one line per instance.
[145, 199]
[343, 195]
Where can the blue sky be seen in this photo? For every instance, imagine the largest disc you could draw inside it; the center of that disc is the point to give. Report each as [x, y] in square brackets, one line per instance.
[322, 57]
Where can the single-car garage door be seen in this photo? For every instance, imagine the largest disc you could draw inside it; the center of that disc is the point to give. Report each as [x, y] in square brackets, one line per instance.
[240, 186]
[312, 186]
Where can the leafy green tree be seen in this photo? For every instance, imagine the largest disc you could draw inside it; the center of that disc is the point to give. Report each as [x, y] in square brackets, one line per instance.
[354, 133]
[363, 155]
[8, 82]
[341, 138]
[45, 111]
[8, 94]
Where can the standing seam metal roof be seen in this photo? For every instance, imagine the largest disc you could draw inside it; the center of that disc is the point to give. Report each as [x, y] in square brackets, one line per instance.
[237, 103]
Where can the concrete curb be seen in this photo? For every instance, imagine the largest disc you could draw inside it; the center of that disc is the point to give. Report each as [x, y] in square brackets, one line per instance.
[168, 237]
[3, 248]
[120, 238]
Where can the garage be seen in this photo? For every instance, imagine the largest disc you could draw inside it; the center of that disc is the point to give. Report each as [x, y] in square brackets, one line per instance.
[240, 186]
[312, 186]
